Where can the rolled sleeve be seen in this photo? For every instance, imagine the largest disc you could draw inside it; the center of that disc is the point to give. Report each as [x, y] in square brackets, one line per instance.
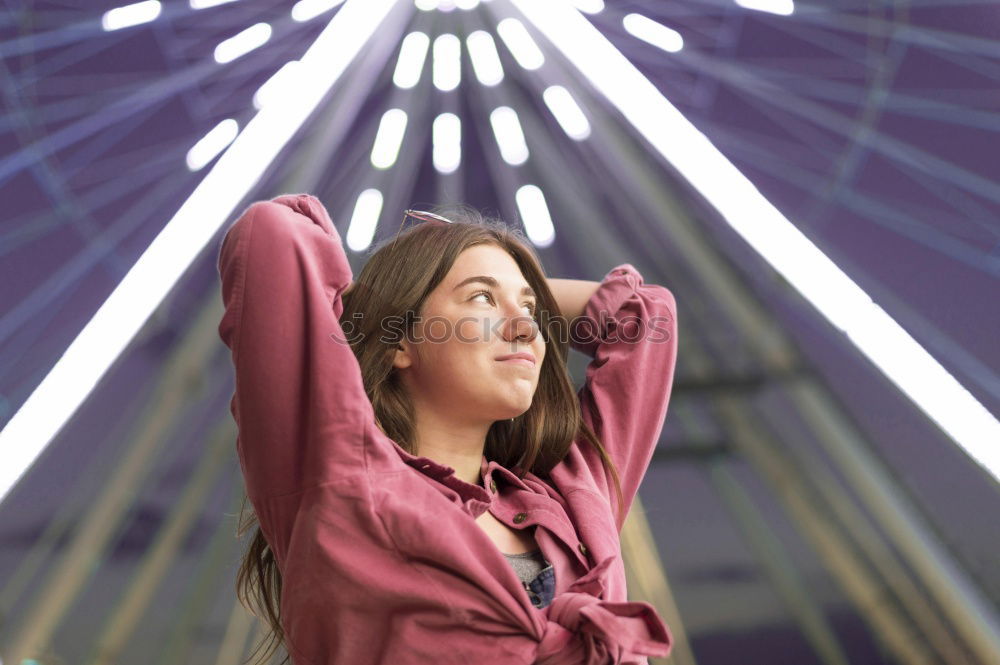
[629, 329]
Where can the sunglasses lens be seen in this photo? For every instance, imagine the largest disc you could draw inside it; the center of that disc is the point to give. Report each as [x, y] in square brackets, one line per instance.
[426, 216]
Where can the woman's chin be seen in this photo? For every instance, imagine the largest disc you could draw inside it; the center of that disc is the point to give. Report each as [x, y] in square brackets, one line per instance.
[514, 411]
[510, 404]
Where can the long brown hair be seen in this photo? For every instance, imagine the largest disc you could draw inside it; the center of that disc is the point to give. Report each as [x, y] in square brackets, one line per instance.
[396, 279]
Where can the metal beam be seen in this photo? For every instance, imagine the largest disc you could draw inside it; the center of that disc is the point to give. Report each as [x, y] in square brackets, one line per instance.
[184, 368]
[805, 611]
[141, 591]
[647, 580]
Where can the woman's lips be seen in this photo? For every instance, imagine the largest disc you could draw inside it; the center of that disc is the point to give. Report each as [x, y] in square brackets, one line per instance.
[525, 358]
[518, 361]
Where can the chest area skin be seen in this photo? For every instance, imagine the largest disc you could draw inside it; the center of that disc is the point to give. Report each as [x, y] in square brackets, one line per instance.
[507, 539]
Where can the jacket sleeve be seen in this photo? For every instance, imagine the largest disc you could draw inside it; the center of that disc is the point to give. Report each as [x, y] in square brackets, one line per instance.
[299, 400]
[629, 330]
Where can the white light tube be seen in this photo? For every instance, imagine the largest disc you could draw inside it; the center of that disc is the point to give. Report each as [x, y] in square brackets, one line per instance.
[242, 43]
[389, 138]
[282, 82]
[305, 10]
[447, 63]
[535, 215]
[520, 44]
[364, 220]
[653, 33]
[567, 112]
[205, 4]
[194, 224]
[209, 146]
[834, 294]
[782, 7]
[446, 137]
[129, 15]
[509, 137]
[485, 59]
[410, 63]
[589, 6]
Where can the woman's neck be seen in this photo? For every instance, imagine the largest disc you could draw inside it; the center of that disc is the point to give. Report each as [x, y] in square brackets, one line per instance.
[461, 448]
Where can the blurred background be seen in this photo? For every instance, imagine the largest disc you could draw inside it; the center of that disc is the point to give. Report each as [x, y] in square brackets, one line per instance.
[817, 183]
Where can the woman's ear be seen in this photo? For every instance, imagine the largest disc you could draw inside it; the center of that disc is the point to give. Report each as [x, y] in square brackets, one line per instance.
[402, 357]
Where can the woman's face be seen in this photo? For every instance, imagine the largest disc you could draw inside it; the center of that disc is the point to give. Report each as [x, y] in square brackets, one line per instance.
[467, 323]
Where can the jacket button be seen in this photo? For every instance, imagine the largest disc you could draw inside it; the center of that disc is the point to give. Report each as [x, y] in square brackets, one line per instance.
[583, 549]
[493, 486]
[520, 517]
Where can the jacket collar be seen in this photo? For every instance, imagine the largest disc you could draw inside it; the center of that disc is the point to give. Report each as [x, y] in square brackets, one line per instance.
[489, 469]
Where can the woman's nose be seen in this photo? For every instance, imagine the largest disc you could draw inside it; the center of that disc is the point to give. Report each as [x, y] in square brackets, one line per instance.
[520, 326]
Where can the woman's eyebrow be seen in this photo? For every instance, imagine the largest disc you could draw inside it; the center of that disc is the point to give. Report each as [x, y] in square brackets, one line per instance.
[489, 281]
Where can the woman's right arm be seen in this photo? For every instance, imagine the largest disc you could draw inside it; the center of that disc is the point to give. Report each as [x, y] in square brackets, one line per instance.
[299, 402]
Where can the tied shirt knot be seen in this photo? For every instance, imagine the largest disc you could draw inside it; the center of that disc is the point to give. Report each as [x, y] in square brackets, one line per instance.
[583, 629]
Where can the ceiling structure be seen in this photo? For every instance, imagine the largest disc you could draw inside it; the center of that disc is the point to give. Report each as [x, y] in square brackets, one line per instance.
[825, 484]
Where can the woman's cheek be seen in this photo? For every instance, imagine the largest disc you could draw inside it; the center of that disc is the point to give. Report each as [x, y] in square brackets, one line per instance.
[471, 330]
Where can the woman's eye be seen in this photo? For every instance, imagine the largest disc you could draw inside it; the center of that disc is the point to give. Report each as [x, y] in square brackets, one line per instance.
[531, 306]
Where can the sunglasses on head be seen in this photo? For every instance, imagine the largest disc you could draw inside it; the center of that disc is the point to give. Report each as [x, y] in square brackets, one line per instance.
[422, 216]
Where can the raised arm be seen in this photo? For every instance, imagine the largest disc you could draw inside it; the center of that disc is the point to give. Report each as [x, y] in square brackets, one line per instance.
[572, 295]
[629, 330]
[299, 400]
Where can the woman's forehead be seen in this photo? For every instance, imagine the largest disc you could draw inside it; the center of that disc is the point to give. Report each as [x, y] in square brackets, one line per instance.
[485, 261]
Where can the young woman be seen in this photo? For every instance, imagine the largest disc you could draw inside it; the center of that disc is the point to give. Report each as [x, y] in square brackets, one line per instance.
[429, 487]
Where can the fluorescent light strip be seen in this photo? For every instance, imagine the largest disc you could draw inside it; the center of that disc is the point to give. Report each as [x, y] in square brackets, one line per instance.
[447, 62]
[409, 65]
[446, 137]
[364, 220]
[240, 44]
[890, 348]
[281, 83]
[510, 138]
[485, 59]
[448, 5]
[205, 4]
[205, 150]
[589, 6]
[306, 10]
[535, 215]
[567, 112]
[653, 33]
[389, 138]
[782, 7]
[520, 44]
[194, 224]
[129, 15]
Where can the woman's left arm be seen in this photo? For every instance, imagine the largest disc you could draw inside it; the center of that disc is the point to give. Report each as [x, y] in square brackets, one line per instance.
[629, 330]
[572, 295]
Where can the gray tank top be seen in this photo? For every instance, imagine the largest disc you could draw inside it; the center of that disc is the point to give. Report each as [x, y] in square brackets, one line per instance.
[527, 565]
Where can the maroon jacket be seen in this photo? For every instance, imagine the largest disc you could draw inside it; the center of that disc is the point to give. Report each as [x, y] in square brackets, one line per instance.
[380, 555]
